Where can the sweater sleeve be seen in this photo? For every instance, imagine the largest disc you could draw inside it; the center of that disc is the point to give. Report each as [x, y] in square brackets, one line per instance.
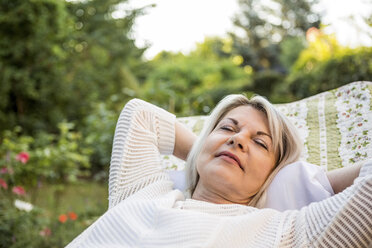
[142, 133]
[343, 220]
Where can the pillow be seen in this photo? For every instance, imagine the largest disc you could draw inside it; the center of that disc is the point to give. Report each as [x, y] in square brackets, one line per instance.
[295, 186]
[335, 126]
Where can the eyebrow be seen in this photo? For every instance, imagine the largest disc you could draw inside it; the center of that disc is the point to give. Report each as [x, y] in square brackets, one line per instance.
[263, 133]
[258, 133]
[233, 120]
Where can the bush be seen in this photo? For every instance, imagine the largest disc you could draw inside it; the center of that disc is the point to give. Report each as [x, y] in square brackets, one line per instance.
[326, 65]
[266, 82]
[98, 136]
[26, 162]
[354, 65]
[190, 85]
[19, 228]
[32, 69]
[25, 225]
[290, 49]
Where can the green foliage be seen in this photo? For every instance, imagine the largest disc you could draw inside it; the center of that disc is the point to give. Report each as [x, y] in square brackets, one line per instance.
[320, 48]
[54, 158]
[98, 136]
[40, 227]
[290, 50]
[62, 155]
[193, 84]
[266, 82]
[26, 165]
[213, 48]
[265, 25]
[326, 65]
[32, 62]
[104, 61]
[19, 228]
[57, 58]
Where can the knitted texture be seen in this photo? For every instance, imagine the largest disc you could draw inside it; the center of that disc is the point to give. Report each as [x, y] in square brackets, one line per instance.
[144, 211]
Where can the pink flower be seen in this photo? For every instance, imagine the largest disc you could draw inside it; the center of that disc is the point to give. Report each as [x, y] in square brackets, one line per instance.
[5, 170]
[23, 157]
[3, 184]
[45, 232]
[19, 190]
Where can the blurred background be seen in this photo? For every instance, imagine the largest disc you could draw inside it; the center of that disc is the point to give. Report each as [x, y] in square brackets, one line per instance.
[67, 68]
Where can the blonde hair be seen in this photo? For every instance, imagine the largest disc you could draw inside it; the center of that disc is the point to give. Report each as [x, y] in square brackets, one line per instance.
[285, 139]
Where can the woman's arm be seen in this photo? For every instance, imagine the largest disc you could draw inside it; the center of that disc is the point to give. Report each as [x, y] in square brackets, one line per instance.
[343, 220]
[342, 178]
[184, 141]
[143, 131]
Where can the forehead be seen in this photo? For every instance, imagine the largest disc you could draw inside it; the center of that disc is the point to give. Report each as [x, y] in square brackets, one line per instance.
[248, 115]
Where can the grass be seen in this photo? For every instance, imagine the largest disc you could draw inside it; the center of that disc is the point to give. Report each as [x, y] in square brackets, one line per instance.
[80, 198]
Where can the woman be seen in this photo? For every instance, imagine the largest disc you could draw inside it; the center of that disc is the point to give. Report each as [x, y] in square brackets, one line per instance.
[251, 132]
[239, 151]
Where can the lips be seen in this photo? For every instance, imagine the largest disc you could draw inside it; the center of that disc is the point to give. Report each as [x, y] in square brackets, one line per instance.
[231, 155]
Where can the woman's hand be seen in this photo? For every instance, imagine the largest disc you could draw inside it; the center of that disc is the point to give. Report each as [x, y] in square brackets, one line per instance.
[184, 141]
[342, 178]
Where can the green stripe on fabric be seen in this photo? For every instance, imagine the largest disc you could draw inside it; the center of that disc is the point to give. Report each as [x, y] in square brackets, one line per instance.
[370, 92]
[333, 134]
[313, 138]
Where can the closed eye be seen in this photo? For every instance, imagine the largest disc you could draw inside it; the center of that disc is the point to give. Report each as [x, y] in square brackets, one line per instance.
[258, 142]
[227, 128]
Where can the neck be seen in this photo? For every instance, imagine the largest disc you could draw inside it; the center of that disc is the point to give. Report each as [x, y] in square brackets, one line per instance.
[202, 193]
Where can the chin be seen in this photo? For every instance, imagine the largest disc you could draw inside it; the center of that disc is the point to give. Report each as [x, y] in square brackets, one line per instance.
[223, 174]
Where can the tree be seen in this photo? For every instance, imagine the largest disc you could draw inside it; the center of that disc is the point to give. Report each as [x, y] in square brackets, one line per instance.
[103, 70]
[58, 59]
[326, 65]
[32, 63]
[193, 84]
[104, 60]
[265, 25]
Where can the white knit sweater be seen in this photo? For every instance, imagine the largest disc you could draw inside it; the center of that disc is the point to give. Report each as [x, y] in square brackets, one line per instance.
[144, 211]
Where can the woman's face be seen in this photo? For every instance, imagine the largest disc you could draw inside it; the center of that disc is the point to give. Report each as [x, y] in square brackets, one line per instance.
[237, 156]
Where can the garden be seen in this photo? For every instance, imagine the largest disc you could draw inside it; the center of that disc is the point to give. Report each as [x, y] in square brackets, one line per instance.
[68, 67]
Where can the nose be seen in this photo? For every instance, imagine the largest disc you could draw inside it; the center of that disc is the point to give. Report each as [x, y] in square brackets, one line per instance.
[237, 141]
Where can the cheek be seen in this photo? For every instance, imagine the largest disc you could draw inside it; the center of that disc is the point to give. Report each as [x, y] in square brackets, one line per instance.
[265, 164]
[203, 158]
[268, 166]
[208, 150]
[211, 145]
